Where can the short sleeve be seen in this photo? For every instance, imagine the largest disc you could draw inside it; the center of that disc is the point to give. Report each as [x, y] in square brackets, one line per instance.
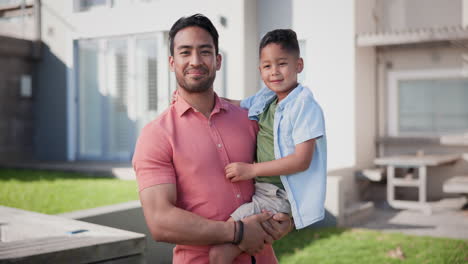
[251, 100]
[152, 160]
[308, 121]
[247, 102]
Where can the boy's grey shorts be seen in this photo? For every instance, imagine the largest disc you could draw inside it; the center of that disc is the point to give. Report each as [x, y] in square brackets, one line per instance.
[267, 196]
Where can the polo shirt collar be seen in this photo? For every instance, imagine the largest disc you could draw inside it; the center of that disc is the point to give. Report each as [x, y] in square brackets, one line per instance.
[182, 106]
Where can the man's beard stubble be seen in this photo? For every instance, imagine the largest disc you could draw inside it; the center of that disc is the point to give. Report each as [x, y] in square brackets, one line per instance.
[198, 87]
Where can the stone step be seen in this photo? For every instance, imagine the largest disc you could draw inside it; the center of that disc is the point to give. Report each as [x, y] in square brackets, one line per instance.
[358, 212]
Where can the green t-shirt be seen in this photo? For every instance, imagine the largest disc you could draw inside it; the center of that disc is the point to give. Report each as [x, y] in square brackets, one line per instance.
[265, 144]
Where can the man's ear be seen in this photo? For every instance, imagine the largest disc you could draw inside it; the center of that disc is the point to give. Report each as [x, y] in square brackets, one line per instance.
[219, 59]
[171, 63]
[300, 65]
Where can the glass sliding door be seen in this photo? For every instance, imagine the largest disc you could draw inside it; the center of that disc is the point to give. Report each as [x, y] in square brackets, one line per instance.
[122, 85]
[90, 112]
[120, 129]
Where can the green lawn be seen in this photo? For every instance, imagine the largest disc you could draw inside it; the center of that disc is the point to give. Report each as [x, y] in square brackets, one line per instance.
[336, 245]
[53, 192]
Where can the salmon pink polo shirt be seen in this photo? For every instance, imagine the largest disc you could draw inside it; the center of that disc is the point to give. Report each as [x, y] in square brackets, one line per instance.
[183, 147]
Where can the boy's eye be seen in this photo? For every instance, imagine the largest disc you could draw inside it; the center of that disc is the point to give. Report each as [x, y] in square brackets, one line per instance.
[266, 66]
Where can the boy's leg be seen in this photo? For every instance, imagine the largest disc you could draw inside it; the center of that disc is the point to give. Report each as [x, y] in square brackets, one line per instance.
[224, 253]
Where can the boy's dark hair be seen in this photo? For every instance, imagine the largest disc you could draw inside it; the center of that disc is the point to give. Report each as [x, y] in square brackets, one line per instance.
[286, 38]
[197, 20]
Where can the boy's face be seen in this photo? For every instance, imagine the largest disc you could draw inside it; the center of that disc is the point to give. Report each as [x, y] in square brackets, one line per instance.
[279, 69]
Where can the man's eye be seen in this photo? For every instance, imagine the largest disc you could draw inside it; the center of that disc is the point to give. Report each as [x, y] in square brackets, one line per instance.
[184, 53]
[206, 52]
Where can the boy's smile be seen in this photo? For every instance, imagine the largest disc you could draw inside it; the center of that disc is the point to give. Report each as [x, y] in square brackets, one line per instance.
[279, 68]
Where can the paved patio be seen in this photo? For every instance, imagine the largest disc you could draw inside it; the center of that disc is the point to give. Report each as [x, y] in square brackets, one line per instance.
[447, 220]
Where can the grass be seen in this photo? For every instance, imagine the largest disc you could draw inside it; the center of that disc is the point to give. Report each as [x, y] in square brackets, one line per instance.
[52, 192]
[337, 245]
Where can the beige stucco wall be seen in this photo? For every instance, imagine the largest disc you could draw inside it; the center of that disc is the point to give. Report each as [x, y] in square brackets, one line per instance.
[437, 57]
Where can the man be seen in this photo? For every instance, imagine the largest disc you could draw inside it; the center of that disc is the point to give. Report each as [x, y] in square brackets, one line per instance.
[180, 159]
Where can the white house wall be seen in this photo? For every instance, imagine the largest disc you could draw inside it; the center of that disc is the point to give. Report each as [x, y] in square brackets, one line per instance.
[58, 16]
[61, 26]
[342, 77]
[328, 27]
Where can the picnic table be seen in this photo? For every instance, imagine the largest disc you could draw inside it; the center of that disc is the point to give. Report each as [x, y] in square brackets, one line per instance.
[419, 162]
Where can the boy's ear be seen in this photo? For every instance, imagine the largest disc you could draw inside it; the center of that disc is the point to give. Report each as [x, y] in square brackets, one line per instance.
[300, 65]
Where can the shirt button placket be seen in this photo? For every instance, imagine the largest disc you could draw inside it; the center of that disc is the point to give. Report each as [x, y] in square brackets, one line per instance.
[224, 157]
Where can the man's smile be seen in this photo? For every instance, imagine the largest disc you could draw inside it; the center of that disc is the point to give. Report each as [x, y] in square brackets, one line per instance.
[195, 72]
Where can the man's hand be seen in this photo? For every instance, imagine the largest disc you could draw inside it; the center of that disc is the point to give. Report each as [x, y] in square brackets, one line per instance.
[255, 237]
[239, 171]
[278, 226]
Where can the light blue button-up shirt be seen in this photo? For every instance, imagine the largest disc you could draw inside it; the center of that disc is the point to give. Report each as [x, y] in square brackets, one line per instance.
[298, 118]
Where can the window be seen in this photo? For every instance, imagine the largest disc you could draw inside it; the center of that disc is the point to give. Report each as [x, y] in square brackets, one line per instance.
[147, 71]
[86, 5]
[427, 103]
[123, 83]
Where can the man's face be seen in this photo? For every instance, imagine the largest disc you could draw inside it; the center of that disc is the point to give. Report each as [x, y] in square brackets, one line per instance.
[195, 61]
[279, 69]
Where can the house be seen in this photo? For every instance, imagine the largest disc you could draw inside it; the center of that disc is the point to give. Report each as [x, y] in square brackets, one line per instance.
[389, 74]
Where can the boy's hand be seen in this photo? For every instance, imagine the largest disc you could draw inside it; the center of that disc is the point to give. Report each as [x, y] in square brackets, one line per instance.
[240, 171]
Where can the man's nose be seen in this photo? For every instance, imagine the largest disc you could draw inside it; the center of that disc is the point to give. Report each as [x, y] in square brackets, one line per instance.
[195, 59]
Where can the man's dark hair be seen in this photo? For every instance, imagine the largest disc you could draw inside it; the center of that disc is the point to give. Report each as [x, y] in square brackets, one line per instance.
[286, 38]
[197, 20]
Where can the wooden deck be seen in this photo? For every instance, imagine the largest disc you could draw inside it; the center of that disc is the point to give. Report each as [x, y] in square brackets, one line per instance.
[29, 237]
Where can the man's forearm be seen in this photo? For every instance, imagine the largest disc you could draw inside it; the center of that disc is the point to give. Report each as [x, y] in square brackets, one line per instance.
[182, 227]
[171, 224]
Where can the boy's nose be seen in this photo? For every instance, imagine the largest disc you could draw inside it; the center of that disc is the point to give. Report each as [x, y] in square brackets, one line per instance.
[274, 70]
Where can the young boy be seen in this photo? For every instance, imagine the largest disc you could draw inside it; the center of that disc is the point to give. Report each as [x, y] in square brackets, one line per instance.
[291, 142]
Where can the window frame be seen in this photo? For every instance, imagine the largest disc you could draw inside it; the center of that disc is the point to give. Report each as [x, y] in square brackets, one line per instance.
[393, 97]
